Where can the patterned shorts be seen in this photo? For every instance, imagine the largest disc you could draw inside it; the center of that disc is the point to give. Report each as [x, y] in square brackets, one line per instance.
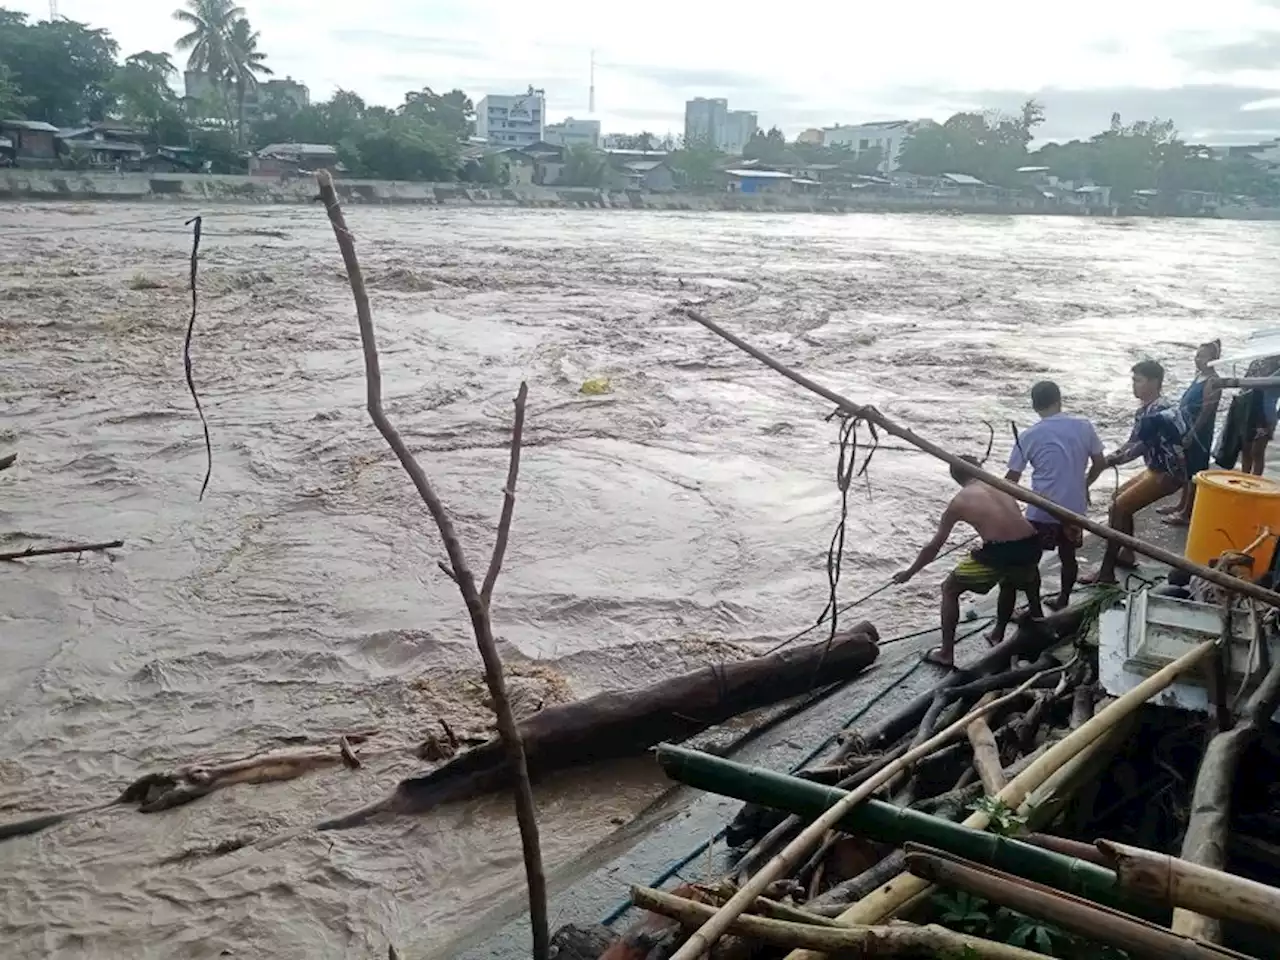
[1055, 535]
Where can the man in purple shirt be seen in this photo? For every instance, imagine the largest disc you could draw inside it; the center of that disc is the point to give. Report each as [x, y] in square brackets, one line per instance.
[1065, 456]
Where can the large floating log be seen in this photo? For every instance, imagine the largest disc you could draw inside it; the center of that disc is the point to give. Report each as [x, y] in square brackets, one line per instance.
[627, 722]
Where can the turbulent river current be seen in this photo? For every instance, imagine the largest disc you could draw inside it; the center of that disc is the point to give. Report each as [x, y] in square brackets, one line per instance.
[674, 521]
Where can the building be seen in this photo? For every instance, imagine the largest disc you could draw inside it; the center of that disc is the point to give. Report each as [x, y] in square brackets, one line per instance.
[571, 132]
[512, 120]
[704, 121]
[32, 140]
[812, 136]
[287, 89]
[106, 144]
[887, 136]
[286, 159]
[739, 127]
[759, 181]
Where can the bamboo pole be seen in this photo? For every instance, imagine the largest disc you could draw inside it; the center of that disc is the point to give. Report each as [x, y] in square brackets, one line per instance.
[905, 940]
[68, 548]
[1205, 842]
[986, 755]
[873, 416]
[476, 600]
[897, 893]
[1096, 923]
[1192, 887]
[1247, 383]
[786, 859]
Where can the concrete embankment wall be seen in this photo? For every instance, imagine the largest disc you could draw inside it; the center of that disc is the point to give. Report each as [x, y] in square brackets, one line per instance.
[19, 184]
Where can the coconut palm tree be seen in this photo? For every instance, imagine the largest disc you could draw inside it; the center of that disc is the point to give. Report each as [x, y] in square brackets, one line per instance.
[247, 62]
[209, 41]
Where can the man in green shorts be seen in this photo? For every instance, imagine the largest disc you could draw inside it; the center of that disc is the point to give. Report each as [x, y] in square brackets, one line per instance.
[1008, 558]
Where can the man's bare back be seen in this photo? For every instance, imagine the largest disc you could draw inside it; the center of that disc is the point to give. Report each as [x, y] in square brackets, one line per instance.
[996, 516]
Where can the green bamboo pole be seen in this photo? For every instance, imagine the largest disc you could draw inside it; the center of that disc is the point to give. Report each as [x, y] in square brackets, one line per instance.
[887, 823]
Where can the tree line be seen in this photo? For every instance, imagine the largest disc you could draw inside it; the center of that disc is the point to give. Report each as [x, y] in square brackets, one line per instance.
[68, 74]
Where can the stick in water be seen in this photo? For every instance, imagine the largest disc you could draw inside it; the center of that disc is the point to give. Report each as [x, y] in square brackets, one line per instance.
[69, 548]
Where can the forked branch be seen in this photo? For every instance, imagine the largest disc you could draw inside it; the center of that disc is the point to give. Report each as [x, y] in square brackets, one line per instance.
[477, 600]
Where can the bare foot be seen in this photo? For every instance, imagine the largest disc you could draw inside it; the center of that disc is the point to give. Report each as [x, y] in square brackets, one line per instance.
[1177, 520]
[1096, 579]
[1169, 510]
[994, 639]
[1056, 603]
[936, 657]
[1127, 561]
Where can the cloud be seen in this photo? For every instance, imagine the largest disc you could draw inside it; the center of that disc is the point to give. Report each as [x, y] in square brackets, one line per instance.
[386, 42]
[1206, 112]
[684, 79]
[1261, 52]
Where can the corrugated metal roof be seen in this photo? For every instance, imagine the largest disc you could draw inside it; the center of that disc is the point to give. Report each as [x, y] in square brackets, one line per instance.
[298, 150]
[643, 166]
[36, 126]
[6, 143]
[109, 146]
[760, 174]
[963, 180]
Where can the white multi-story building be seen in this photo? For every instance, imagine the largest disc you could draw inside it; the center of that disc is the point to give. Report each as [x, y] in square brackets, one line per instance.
[710, 122]
[512, 120]
[573, 132]
[885, 135]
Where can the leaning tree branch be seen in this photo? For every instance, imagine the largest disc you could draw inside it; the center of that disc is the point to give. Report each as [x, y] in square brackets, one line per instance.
[877, 419]
[477, 602]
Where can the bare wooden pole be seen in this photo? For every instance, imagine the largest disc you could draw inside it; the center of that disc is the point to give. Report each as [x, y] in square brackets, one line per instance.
[986, 755]
[477, 602]
[873, 416]
[68, 548]
[1247, 383]
[9, 461]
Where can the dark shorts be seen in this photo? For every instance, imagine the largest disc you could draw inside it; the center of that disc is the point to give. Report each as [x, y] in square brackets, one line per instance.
[1056, 535]
[1015, 563]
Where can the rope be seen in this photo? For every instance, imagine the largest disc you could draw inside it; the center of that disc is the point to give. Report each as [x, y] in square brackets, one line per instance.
[195, 223]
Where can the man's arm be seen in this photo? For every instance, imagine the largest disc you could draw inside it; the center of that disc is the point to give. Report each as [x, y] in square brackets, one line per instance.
[1097, 464]
[929, 551]
[1208, 410]
[1133, 448]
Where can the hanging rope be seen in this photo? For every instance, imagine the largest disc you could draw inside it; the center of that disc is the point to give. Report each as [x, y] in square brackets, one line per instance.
[195, 223]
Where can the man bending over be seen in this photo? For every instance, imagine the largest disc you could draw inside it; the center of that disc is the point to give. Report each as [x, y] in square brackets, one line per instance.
[1009, 558]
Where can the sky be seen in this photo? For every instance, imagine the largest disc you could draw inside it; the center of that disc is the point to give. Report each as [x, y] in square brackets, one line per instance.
[1214, 68]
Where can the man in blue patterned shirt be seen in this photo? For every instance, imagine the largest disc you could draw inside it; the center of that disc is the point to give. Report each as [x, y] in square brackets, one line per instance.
[1157, 436]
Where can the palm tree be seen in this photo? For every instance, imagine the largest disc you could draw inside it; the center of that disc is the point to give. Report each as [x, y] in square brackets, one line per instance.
[209, 39]
[247, 61]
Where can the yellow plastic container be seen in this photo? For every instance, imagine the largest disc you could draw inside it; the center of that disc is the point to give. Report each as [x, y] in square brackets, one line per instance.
[1232, 509]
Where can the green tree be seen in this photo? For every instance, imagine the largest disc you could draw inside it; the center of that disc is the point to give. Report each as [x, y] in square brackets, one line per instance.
[584, 166]
[144, 97]
[637, 141]
[868, 162]
[12, 102]
[990, 146]
[247, 63]
[62, 68]
[453, 111]
[208, 44]
[696, 166]
[768, 147]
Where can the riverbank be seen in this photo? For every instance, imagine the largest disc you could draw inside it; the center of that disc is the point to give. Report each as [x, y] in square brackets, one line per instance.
[21, 184]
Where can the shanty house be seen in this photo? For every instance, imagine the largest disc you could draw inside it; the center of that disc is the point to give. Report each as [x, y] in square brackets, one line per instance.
[33, 140]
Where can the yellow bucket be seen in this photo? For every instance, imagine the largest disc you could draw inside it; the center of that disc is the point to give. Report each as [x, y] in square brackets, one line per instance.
[1232, 510]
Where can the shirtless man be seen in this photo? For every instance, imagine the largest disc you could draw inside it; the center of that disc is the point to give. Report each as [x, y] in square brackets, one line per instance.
[1009, 557]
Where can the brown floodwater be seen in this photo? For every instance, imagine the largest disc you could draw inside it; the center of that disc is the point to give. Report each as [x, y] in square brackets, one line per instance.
[667, 524]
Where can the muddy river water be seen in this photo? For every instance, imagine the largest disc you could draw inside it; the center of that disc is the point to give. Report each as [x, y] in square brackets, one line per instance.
[671, 522]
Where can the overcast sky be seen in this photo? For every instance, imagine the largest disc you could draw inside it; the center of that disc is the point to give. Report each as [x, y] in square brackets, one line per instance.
[1212, 67]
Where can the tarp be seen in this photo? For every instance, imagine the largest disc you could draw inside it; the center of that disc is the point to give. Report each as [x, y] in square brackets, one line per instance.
[1264, 343]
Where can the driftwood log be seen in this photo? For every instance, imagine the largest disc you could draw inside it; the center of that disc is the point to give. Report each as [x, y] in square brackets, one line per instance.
[625, 723]
[1205, 842]
[66, 548]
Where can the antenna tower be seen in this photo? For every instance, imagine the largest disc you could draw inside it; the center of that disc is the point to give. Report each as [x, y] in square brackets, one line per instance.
[591, 103]
[53, 9]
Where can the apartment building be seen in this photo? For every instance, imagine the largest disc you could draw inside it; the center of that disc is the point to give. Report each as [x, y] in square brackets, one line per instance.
[512, 120]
